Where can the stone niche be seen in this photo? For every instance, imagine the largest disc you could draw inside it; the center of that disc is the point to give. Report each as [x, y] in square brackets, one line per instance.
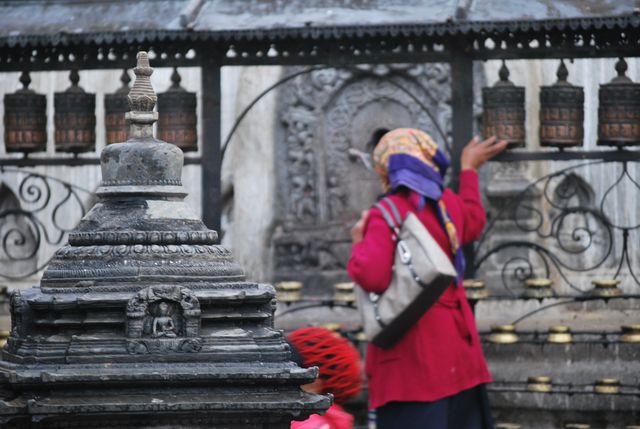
[327, 121]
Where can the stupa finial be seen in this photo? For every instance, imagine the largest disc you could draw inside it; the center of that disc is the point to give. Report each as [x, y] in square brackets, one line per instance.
[142, 100]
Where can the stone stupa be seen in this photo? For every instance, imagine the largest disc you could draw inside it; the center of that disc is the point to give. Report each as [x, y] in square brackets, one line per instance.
[142, 320]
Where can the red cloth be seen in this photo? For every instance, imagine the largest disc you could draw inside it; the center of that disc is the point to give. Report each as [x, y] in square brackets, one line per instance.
[334, 418]
[441, 355]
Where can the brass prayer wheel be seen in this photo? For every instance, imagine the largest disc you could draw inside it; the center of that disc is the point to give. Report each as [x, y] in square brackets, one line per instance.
[25, 119]
[344, 292]
[334, 327]
[115, 107]
[503, 334]
[606, 288]
[560, 335]
[4, 335]
[475, 289]
[75, 118]
[577, 426]
[177, 117]
[561, 112]
[361, 337]
[538, 288]
[503, 110]
[540, 384]
[630, 334]
[289, 292]
[607, 386]
[619, 110]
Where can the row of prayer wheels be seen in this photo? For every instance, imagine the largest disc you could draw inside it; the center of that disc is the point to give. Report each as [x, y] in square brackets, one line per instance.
[562, 111]
[541, 288]
[560, 334]
[291, 291]
[25, 117]
[603, 386]
[536, 288]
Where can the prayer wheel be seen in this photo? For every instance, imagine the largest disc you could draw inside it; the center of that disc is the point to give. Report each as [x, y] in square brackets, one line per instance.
[630, 334]
[177, 122]
[25, 119]
[332, 326]
[503, 334]
[540, 384]
[561, 112]
[289, 291]
[538, 288]
[75, 118]
[115, 107]
[475, 289]
[503, 110]
[607, 386]
[606, 288]
[344, 292]
[559, 334]
[619, 110]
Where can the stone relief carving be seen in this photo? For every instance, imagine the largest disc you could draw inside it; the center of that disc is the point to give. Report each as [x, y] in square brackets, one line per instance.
[330, 111]
[163, 319]
[323, 255]
[328, 117]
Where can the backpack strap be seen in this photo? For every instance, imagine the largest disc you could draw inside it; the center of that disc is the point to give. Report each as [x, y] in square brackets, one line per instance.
[395, 221]
[394, 210]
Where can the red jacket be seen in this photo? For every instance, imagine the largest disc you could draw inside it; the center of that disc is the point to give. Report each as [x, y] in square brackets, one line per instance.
[441, 355]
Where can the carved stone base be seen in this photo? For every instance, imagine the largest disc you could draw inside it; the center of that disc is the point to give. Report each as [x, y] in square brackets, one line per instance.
[94, 355]
[167, 407]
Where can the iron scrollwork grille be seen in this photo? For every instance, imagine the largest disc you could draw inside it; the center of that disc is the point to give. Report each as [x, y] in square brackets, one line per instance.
[558, 228]
[36, 213]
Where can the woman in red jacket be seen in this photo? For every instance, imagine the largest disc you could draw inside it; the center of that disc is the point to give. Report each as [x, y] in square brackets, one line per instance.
[434, 377]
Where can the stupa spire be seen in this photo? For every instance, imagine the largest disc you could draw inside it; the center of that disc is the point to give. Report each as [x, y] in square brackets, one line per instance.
[142, 100]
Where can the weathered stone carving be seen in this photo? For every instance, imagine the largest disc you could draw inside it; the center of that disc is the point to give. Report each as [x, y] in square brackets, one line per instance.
[143, 320]
[163, 316]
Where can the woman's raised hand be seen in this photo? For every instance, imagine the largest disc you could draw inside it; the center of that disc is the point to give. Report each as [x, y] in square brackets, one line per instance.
[477, 152]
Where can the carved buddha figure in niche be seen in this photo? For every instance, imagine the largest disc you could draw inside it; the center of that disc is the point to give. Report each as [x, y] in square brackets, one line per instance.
[163, 324]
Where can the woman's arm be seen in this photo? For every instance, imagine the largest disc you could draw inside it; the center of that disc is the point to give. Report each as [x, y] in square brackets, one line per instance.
[474, 215]
[372, 257]
[473, 156]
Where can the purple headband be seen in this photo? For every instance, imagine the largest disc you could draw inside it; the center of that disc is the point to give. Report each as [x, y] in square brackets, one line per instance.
[406, 170]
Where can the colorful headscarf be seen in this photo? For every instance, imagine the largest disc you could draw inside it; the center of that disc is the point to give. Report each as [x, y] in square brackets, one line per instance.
[409, 157]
